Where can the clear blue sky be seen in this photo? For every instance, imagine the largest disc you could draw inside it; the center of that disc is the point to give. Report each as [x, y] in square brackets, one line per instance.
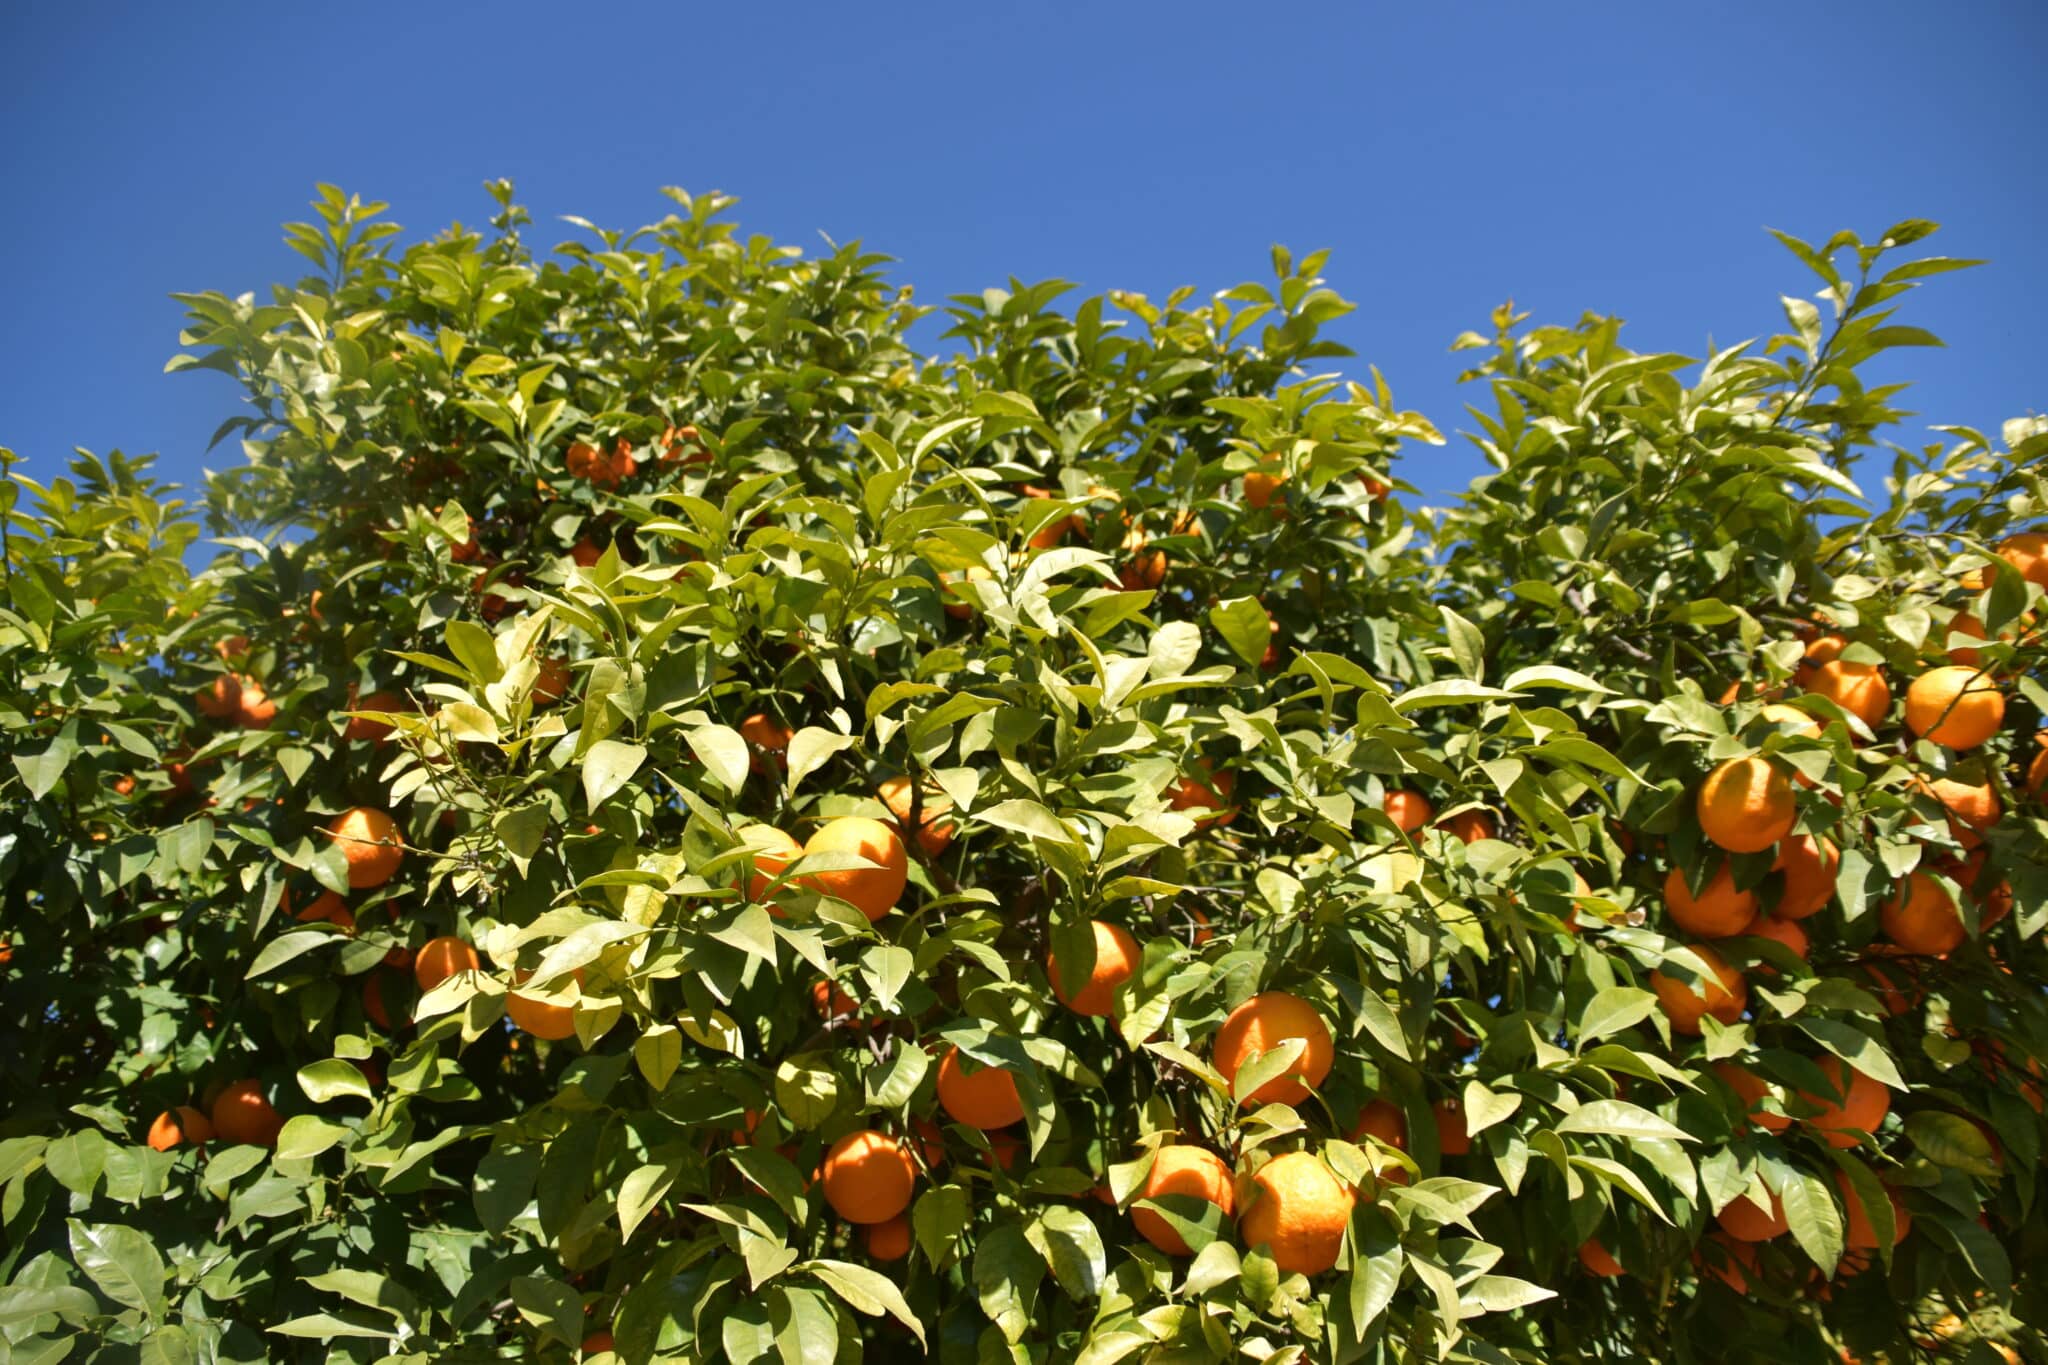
[1623, 157]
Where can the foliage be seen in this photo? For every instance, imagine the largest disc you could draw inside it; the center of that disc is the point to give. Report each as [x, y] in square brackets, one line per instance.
[712, 476]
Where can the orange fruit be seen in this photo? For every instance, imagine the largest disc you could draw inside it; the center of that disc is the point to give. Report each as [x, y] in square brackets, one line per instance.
[1783, 931]
[1262, 483]
[219, 698]
[1598, 1260]
[1965, 624]
[1808, 864]
[1921, 917]
[2037, 770]
[1116, 958]
[1718, 911]
[1723, 993]
[1200, 788]
[1143, 569]
[124, 785]
[1453, 1135]
[254, 710]
[868, 1177]
[1298, 1211]
[873, 891]
[2026, 552]
[378, 997]
[241, 1114]
[1955, 707]
[584, 553]
[1410, 810]
[1261, 1024]
[889, 1240]
[1727, 1260]
[1178, 1169]
[597, 1341]
[1752, 1090]
[440, 958]
[176, 1126]
[1793, 719]
[362, 727]
[1746, 805]
[551, 681]
[831, 1002]
[1972, 807]
[1053, 532]
[326, 907]
[1384, 1121]
[1859, 689]
[984, 1099]
[763, 731]
[961, 598]
[773, 852]
[370, 842]
[1745, 1222]
[1468, 826]
[934, 830]
[1857, 1232]
[1853, 1104]
[541, 1018]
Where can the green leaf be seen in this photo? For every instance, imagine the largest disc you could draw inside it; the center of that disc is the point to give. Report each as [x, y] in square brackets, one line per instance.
[1953, 1141]
[285, 947]
[553, 1307]
[865, 1291]
[640, 1192]
[333, 1079]
[722, 752]
[1072, 1247]
[1449, 692]
[370, 1289]
[122, 1262]
[1027, 818]
[658, 1051]
[1244, 626]
[1619, 1118]
[1550, 675]
[1614, 1009]
[305, 1135]
[608, 766]
[809, 749]
[42, 772]
[1816, 1223]
[1856, 1048]
[1468, 644]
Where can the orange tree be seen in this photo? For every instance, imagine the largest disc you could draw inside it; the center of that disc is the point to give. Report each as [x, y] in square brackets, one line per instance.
[679, 826]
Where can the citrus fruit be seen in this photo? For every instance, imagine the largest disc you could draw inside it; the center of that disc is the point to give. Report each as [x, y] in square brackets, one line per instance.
[1746, 805]
[1859, 689]
[1784, 931]
[1921, 917]
[362, 727]
[1745, 1222]
[774, 851]
[551, 681]
[1469, 826]
[934, 830]
[326, 908]
[369, 841]
[1453, 1134]
[888, 1240]
[1261, 1024]
[984, 1098]
[1116, 958]
[1808, 864]
[179, 1125]
[440, 958]
[1298, 1211]
[1179, 1169]
[1201, 789]
[541, 1018]
[873, 891]
[868, 1177]
[1409, 810]
[1752, 1090]
[1858, 1234]
[242, 1114]
[1955, 707]
[1721, 993]
[1262, 483]
[1852, 1104]
[1382, 1120]
[1718, 911]
[1598, 1260]
[1972, 806]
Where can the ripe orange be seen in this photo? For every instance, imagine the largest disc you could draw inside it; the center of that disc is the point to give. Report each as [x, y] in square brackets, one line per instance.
[1727, 1260]
[868, 1177]
[1298, 1211]
[1453, 1134]
[254, 710]
[934, 830]
[380, 993]
[773, 852]
[552, 681]
[440, 958]
[765, 732]
[1746, 805]
[1859, 689]
[585, 553]
[889, 1240]
[984, 1099]
[1808, 864]
[1921, 917]
[1200, 788]
[831, 1002]
[540, 1018]
[370, 842]
[1410, 810]
[180, 1125]
[1116, 958]
[1261, 1024]
[1852, 1105]
[1972, 808]
[242, 1114]
[1179, 1169]
[1384, 1121]
[2026, 552]
[1142, 569]
[1262, 483]
[1955, 707]
[1722, 993]
[1792, 719]
[326, 907]
[362, 727]
[1783, 931]
[1965, 624]
[1718, 911]
[1468, 826]
[1857, 1232]
[873, 891]
[219, 698]
[1752, 1090]
[1745, 1222]
[1596, 1259]
[2037, 770]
